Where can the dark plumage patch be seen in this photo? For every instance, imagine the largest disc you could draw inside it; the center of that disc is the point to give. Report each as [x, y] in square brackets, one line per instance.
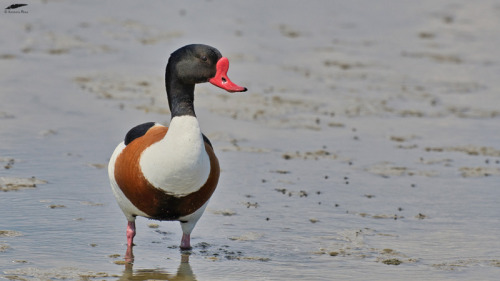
[207, 141]
[137, 131]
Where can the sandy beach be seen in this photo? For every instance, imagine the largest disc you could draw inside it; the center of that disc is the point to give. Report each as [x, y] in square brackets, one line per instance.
[366, 148]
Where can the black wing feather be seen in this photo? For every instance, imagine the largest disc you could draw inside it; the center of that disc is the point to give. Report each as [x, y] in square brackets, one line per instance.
[206, 140]
[137, 131]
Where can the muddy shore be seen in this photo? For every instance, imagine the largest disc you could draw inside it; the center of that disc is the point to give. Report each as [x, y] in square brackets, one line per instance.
[367, 145]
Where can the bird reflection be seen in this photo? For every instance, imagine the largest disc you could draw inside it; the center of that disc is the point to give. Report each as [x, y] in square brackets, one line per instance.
[184, 271]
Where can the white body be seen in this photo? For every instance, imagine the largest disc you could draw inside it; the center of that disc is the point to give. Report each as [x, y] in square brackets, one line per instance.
[181, 152]
[127, 207]
[165, 165]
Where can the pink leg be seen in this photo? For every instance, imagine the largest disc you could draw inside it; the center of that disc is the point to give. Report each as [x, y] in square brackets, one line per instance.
[186, 242]
[129, 255]
[130, 233]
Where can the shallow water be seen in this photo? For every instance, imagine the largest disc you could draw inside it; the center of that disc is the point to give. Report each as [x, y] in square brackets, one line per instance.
[366, 147]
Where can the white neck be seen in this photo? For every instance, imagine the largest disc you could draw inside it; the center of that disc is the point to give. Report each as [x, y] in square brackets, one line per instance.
[178, 163]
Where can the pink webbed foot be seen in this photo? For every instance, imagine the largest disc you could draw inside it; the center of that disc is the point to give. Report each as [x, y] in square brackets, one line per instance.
[130, 233]
[186, 242]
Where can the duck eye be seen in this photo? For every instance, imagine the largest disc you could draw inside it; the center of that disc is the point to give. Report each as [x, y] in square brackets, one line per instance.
[204, 58]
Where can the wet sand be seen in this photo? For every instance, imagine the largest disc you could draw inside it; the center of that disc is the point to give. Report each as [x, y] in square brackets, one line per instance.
[367, 146]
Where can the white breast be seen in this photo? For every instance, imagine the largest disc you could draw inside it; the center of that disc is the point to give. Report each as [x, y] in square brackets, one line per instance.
[178, 163]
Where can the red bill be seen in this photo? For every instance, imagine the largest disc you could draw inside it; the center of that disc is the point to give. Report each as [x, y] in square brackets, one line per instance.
[221, 80]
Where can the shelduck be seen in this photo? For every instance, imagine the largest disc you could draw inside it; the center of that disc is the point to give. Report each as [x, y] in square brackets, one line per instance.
[170, 173]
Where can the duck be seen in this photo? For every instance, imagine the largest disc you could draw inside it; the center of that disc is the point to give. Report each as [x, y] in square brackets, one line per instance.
[169, 173]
